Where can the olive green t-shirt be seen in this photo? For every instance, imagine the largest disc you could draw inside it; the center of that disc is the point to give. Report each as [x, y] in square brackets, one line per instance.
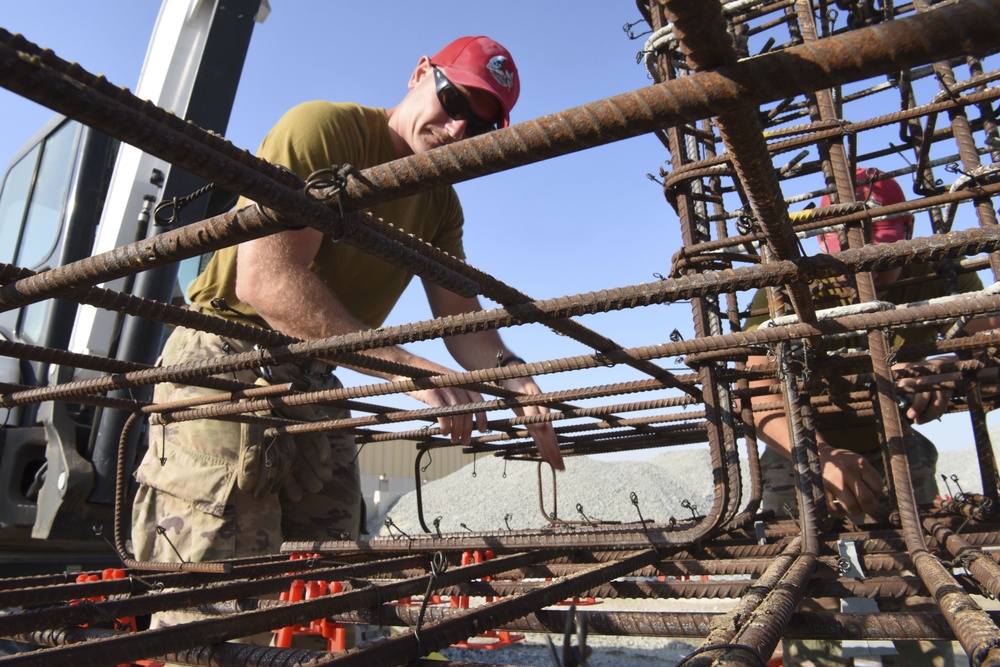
[831, 293]
[317, 135]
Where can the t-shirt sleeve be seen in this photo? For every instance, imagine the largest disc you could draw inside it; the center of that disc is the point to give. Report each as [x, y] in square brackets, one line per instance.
[311, 136]
[449, 236]
[759, 301]
[969, 282]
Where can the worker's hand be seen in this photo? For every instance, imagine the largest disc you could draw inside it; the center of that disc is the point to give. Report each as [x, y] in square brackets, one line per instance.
[852, 484]
[263, 464]
[542, 433]
[926, 406]
[458, 427]
[311, 468]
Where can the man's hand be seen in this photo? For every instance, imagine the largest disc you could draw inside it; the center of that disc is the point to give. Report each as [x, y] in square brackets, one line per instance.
[852, 484]
[542, 433]
[484, 349]
[927, 405]
[459, 427]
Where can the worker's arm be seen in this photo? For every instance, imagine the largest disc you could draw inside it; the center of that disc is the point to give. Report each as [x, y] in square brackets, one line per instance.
[991, 323]
[848, 477]
[479, 350]
[273, 276]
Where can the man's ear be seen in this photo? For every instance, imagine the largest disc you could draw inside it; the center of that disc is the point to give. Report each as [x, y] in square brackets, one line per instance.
[423, 69]
[909, 229]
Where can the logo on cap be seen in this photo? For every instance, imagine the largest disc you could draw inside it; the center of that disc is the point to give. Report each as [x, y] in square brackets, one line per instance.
[496, 68]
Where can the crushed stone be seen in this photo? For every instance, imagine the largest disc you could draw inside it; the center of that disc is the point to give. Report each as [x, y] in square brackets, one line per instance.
[490, 495]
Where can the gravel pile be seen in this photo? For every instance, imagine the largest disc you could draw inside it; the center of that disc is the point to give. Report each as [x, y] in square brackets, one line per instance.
[482, 494]
[533, 651]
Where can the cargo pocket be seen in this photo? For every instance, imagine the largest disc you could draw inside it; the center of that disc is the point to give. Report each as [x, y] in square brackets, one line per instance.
[192, 474]
[263, 464]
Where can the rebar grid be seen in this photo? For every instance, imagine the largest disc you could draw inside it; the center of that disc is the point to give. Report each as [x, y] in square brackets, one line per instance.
[818, 84]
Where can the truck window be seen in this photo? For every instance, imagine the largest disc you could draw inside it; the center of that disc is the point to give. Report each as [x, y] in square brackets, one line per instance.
[44, 217]
[14, 202]
[33, 200]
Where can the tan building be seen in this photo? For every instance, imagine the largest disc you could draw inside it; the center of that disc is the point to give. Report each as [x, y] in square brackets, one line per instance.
[388, 470]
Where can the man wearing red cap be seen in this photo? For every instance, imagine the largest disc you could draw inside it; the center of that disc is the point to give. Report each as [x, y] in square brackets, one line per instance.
[217, 490]
[850, 456]
[875, 194]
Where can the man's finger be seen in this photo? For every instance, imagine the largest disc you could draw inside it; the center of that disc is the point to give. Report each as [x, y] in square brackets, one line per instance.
[942, 399]
[835, 506]
[482, 424]
[848, 503]
[867, 500]
[547, 444]
[871, 479]
[918, 406]
[464, 428]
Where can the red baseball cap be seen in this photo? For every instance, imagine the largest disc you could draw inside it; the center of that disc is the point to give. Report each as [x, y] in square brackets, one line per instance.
[480, 62]
[875, 192]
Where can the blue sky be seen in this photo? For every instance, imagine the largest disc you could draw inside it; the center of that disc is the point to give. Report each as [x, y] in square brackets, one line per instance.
[549, 229]
[580, 223]
[583, 222]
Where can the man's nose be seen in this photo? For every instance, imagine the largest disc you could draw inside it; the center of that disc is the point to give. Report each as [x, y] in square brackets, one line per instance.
[456, 128]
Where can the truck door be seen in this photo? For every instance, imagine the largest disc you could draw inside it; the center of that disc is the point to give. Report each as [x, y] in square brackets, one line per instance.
[192, 68]
[51, 197]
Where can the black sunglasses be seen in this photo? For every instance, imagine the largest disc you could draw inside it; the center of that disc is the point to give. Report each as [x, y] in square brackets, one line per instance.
[457, 107]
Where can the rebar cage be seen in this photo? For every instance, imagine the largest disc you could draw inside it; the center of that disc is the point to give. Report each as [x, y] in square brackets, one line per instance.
[762, 107]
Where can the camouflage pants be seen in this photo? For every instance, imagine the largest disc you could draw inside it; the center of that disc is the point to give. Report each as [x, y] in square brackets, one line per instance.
[188, 506]
[817, 652]
[779, 494]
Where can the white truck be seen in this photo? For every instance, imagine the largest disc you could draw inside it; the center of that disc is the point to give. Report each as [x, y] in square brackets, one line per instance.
[72, 192]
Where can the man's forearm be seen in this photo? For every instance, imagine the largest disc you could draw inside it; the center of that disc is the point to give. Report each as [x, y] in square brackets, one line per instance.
[772, 429]
[300, 305]
[483, 349]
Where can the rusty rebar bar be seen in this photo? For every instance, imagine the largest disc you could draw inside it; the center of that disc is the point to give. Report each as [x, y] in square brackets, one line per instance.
[858, 54]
